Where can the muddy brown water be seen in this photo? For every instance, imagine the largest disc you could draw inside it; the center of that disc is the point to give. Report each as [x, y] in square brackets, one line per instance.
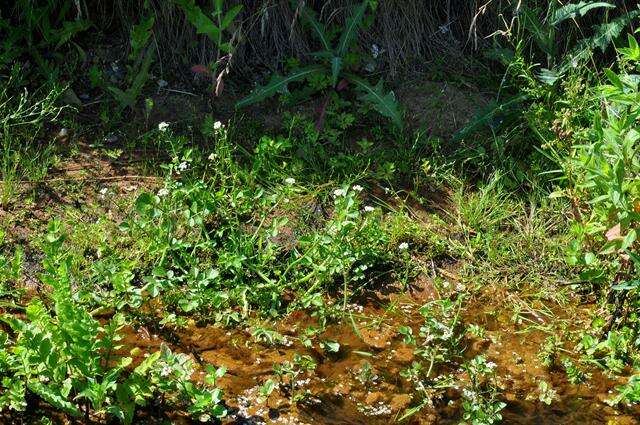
[339, 396]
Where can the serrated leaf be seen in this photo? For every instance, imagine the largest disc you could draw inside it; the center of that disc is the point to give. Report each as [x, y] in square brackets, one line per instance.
[53, 397]
[198, 19]
[351, 29]
[576, 10]
[140, 35]
[548, 76]
[607, 32]
[385, 103]
[278, 84]
[230, 16]
[309, 17]
[538, 29]
[604, 35]
[336, 67]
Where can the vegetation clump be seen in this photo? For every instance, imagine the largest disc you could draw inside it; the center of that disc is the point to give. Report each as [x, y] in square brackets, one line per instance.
[218, 212]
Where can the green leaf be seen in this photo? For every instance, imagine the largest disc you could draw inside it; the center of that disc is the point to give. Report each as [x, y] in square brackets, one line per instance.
[607, 32]
[540, 31]
[121, 97]
[267, 388]
[629, 239]
[278, 84]
[548, 76]
[309, 17]
[385, 104]
[140, 35]
[230, 16]
[330, 346]
[614, 79]
[631, 53]
[199, 20]
[69, 30]
[53, 397]
[575, 10]
[626, 286]
[336, 67]
[412, 411]
[351, 29]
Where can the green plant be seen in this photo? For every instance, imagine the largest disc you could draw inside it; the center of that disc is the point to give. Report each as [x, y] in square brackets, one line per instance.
[22, 118]
[289, 372]
[10, 268]
[574, 373]
[216, 32]
[70, 360]
[480, 400]
[332, 72]
[438, 343]
[627, 393]
[38, 31]
[140, 59]
[601, 182]
[546, 393]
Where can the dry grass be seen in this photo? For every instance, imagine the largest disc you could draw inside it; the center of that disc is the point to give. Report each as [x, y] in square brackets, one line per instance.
[411, 32]
[407, 30]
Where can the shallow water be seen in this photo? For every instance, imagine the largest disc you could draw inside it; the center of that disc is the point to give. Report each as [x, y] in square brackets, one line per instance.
[338, 396]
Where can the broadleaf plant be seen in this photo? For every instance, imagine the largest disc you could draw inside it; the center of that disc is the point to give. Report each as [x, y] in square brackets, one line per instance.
[218, 27]
[332, 64]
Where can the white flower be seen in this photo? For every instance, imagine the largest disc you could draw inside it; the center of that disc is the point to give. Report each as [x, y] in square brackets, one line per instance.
[468, 394]
[211, 157]
[491, 365]
[163, 192]
[368, 208]
[104, 191]
[339, 192]
[403, 246]
[183, 166]
[163, 126]
[357, 188]
[166, 371]
[375, 51]
[289, 181]
[217, 125]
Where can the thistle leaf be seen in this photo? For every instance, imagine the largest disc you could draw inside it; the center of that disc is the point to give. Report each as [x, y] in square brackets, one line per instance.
[278, 84]
[385, 103]
[198, 19]
[577, 10]
[230, 16]
[336, 67]
[309, 17]
[351, 29]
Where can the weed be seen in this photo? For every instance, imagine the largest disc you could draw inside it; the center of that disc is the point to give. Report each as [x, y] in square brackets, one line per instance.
[69, 360]
[331, 73]
[289, 372]
[480, 400]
